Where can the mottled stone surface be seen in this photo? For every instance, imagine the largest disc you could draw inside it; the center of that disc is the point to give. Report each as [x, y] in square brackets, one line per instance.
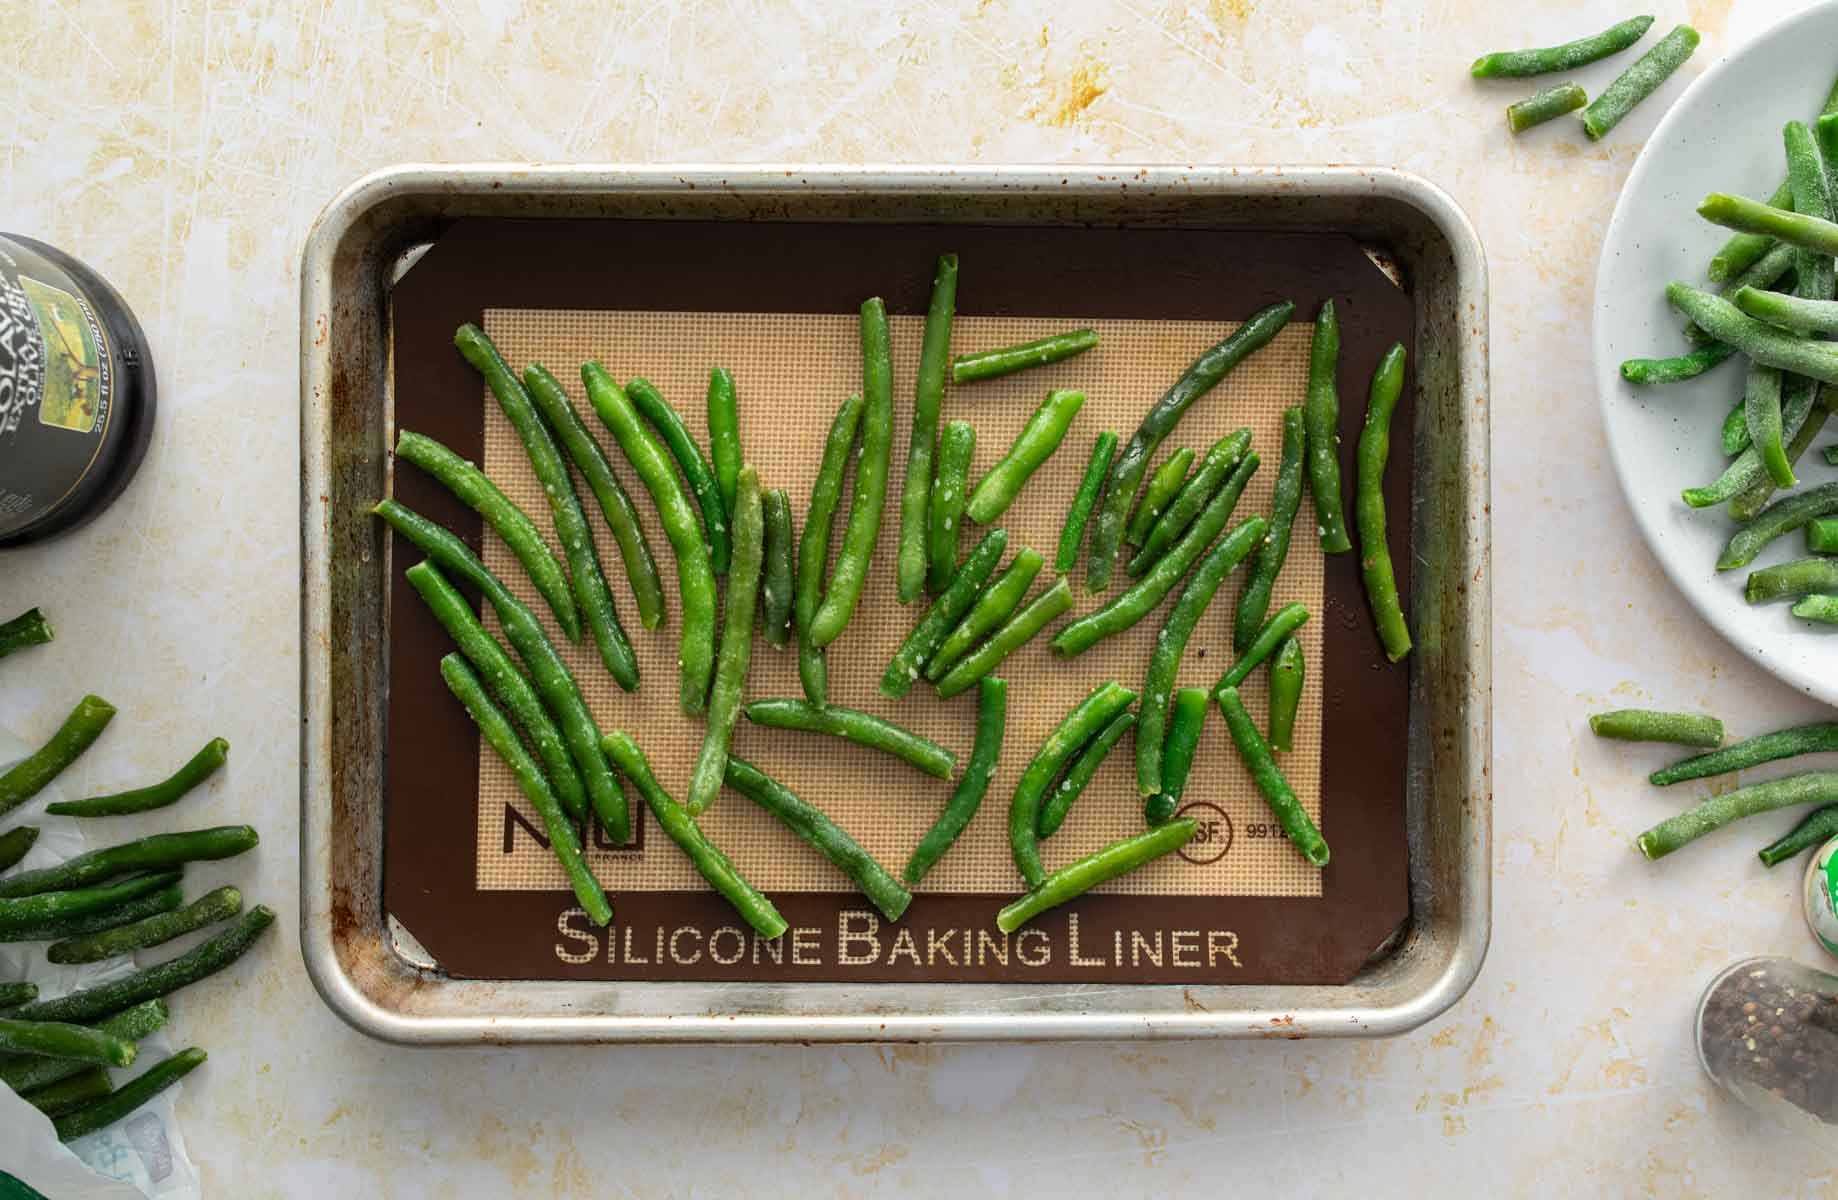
[184, 148]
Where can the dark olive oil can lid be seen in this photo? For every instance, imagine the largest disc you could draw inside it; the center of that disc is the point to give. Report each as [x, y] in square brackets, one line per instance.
[77, 392]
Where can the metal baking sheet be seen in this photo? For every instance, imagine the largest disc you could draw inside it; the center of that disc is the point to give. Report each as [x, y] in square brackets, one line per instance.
[351, 954]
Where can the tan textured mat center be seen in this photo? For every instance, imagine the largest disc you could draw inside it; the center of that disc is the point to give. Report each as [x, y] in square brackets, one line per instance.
[791, 371]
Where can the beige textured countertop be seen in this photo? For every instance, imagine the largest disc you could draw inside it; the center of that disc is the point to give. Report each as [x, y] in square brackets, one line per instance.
[183, 149]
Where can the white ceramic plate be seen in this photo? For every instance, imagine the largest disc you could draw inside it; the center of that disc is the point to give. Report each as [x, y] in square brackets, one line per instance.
[1723, 135]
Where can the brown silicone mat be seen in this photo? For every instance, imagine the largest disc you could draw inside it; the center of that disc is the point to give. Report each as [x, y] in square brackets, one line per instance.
[1240, 906]
[783, 365]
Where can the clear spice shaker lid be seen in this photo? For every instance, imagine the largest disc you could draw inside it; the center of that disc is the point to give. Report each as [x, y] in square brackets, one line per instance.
[1767, 1033]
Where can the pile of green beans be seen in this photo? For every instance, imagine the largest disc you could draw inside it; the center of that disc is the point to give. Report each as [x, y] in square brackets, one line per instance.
[1162, 488]
[585, 578]
[695, 571]
[1082, 724]
[657, 411]
[1127, 471]
[917, 651]
[615, 504]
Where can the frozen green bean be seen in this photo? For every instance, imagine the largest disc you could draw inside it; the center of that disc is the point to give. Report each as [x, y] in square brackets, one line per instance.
[1369, 506]
[1677, 369]
[991, 364]
[1014, 633]
[704, 855]
[153, 853]
[1288, 811]
[615, 505]
[1036, 443]
[1254, 601]
[27, 629]
[1816, 738]
[1822, 608]
[1639, 81]
[749, 529]
[998, 601]
[1201, 487]
[854, 725]
[1797, 578]
[1814, 829]
[923, 642]
[1178, 750]
[1788, 312]
[1649, 725]
[1321, 410]
[950, 492]
[1275, 631]
[776, 589]
[830, 839]
[1073, 534]
[513, 526]
[1567, 57]
[1822, 535]
[814, 547]
[991, 723]
[79, 731]
[1761, 414]
[928, 395]
[668, 423]
[872, 454]
[1547, 105]
[724, 436]
[1813, 787]
[1780, 518]
[171, 790]
[1075, 879]
[121, 1102]
[1287, 672]
[1163, 486]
